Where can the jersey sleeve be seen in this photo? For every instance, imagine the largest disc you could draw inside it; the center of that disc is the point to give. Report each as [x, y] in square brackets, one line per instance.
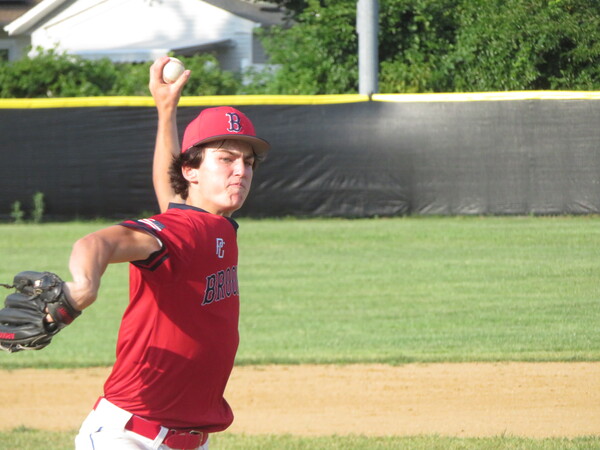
[153, 227]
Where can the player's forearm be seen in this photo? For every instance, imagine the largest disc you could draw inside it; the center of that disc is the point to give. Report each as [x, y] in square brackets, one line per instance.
[166, 147]
[88, 262]
[166, 97]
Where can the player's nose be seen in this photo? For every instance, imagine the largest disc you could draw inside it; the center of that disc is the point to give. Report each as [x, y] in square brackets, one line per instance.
[242, 169]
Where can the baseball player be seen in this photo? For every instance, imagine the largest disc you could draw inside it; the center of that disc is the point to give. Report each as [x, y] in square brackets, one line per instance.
[179, 334]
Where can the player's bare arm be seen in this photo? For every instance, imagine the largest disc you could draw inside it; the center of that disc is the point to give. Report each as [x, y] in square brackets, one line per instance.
[166, 97]
[93, 253]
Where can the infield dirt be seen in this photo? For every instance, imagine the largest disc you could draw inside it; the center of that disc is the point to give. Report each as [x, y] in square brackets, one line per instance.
[520, 399]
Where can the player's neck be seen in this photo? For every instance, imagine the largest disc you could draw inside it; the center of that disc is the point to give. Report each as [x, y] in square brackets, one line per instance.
[208, 207]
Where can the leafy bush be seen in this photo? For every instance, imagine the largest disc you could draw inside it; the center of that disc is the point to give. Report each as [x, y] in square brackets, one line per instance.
[50, 74]
[208, 78]
[53, 74]
[37, 212]
[17, 214]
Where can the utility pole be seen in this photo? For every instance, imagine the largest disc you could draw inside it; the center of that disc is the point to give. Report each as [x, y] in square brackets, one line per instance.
[367, 27]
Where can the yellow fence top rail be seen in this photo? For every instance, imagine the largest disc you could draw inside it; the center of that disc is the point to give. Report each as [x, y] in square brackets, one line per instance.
[88, 102]
[240, 100]
[488, 96]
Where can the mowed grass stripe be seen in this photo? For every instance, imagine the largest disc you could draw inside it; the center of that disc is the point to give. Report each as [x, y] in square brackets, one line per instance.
[416, 289]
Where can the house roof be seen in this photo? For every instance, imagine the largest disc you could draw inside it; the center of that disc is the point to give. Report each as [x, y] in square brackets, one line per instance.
[24, 22]
[261, 12]
[12, 9]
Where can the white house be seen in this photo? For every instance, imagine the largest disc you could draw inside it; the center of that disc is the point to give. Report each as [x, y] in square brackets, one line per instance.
[9, 11]
[142, 30]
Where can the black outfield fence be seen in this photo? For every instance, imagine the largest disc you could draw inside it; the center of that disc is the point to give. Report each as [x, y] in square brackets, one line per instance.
[333, 156]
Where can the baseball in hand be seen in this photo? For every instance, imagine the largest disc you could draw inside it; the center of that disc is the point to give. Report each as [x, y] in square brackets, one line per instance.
[172, 70]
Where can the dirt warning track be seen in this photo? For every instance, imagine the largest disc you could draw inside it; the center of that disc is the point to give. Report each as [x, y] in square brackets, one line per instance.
[520, 399]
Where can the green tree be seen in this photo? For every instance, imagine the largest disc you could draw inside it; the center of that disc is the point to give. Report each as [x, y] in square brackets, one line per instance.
[439, 46]
[528, 44]
[414, 41]
[318, 55]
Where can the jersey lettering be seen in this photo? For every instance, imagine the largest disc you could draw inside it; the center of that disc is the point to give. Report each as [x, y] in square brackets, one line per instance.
[221, 285]
[220, 249]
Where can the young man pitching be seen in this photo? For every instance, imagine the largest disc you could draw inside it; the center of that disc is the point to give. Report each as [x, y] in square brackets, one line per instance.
[179, 334]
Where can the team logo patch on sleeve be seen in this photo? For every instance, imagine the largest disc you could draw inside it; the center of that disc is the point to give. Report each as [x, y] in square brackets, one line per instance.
[152, 223]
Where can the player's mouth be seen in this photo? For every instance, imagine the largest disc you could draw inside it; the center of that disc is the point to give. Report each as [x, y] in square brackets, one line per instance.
[239, 186]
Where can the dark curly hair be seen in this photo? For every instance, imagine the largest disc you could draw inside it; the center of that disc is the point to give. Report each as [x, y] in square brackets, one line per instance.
[193, 158]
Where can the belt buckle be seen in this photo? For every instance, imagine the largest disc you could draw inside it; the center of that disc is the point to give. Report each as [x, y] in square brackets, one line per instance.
[184, 440]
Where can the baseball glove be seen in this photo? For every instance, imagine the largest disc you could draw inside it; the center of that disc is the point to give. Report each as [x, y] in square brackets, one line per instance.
[23, 324]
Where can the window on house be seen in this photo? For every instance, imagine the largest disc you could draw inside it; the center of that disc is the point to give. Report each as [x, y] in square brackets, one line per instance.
[3, 54]
[258, 52]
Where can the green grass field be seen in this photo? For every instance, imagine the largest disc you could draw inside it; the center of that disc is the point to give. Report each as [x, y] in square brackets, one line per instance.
[31, 439]
[418, 289]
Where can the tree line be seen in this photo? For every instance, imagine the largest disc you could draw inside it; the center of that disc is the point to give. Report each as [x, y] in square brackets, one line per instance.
[424, 46]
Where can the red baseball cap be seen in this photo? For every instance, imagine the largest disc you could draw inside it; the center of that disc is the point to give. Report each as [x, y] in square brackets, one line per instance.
[222, 122]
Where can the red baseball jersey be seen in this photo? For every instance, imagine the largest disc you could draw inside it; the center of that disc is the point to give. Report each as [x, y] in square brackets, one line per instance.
[179, 333]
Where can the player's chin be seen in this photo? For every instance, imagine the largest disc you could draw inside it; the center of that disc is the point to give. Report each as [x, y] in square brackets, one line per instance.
[238, 192]
[236, 200]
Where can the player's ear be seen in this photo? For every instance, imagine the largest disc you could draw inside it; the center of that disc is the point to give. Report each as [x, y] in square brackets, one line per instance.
[190, 173]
